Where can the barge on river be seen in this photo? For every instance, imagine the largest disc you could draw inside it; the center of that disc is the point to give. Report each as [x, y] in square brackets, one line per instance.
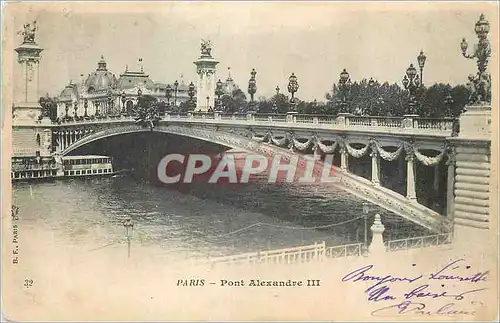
[32, 168]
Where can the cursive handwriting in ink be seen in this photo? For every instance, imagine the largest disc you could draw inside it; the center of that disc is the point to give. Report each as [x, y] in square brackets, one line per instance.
[379, 291]
[444, 273]
[409, 308]
[422, 292]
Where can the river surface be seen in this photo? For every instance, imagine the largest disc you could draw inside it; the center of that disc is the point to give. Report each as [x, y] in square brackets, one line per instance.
[201, 220]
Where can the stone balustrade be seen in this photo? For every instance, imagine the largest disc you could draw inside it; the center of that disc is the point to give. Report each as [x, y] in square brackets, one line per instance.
[408, 124]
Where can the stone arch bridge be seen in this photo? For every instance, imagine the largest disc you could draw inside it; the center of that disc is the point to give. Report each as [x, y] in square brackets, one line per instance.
[296, 134]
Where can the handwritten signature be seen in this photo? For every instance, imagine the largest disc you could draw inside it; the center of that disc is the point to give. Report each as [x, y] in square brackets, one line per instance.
[411, 300]
[412, 308]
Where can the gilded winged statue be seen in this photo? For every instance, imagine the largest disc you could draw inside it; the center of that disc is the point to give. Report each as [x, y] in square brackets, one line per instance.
[29, 32]
[206, 47]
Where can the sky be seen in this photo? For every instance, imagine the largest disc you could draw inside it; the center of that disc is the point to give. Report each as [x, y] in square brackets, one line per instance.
[314, 40]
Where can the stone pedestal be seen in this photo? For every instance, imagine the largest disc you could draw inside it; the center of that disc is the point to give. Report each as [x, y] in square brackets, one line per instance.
[475, 123]
[377, 246]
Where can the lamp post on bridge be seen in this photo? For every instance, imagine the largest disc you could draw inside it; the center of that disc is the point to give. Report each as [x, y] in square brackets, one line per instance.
[219, 92]
[176, 85]
[481, 83]
[421, 63]
[124, 98]
[366, 210]
[411, 83]
[252, 89]
[293, 87]
[345, 90]
[448, 102]
[191, 95]
[275, 103]
[371, 93]
[129, 227]
[168, 94]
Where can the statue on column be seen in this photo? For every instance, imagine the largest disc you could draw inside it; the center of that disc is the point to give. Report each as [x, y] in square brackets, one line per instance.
[29, 32]
[206, 47]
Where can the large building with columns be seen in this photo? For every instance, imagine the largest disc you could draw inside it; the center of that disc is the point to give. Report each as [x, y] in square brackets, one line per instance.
[101, 92]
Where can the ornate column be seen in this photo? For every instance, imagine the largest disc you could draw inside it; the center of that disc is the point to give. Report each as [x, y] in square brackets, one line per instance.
[375, 167]
[316, 149]
[410, 176]
[436, 178]
[450, 186]
[60, 136]
[344, 159]
[63, 141]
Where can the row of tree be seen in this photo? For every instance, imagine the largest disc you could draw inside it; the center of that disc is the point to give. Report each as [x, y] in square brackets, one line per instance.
[364, 98]
[437, 101]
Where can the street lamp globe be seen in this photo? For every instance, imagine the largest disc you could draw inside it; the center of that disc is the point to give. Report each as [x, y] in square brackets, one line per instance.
[344, 76]
[421, 59]
[191, 90]
[366, 208]
[482, 27]
[411, 72]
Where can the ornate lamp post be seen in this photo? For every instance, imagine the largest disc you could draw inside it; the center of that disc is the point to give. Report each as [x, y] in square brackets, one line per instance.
[366, 210]
[345, 89]
[293, 87]
[168, 94]
[252, 89]
[66, 108]
[75, 107]
[85, 107]
[481, 83]
[208, 100]
[411, 83]
[448, 102]
[371, 92]
[176, 85]
[129, 227]
[219, 92]
[124, 98]
[421, 63]
[191, 95]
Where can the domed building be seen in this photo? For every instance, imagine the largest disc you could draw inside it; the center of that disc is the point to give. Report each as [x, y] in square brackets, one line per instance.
[102, 93]
[229, 85]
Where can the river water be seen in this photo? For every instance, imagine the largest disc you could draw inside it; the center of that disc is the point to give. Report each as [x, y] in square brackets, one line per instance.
[201, 220]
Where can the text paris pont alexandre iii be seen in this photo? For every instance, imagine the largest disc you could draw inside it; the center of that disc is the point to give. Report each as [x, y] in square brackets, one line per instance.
[249, 283]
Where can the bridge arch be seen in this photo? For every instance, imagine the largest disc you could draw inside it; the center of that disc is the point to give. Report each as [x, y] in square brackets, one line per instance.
[246, 140]
[173, 130]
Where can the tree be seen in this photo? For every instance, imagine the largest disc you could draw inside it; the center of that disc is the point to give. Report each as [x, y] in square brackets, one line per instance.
[236, 102]
[146, 111]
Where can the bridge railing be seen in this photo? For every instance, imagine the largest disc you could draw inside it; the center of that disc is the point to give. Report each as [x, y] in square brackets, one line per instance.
[356, 249]
[419, 242]
[319, 251]
[278, 256]
[444, 125]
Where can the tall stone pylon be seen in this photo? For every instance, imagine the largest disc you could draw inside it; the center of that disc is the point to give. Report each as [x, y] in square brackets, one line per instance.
[205, 68]
[26, 106]
[31, 135]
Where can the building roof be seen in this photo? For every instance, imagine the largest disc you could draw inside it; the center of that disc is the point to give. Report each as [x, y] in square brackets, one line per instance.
[101, 79]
